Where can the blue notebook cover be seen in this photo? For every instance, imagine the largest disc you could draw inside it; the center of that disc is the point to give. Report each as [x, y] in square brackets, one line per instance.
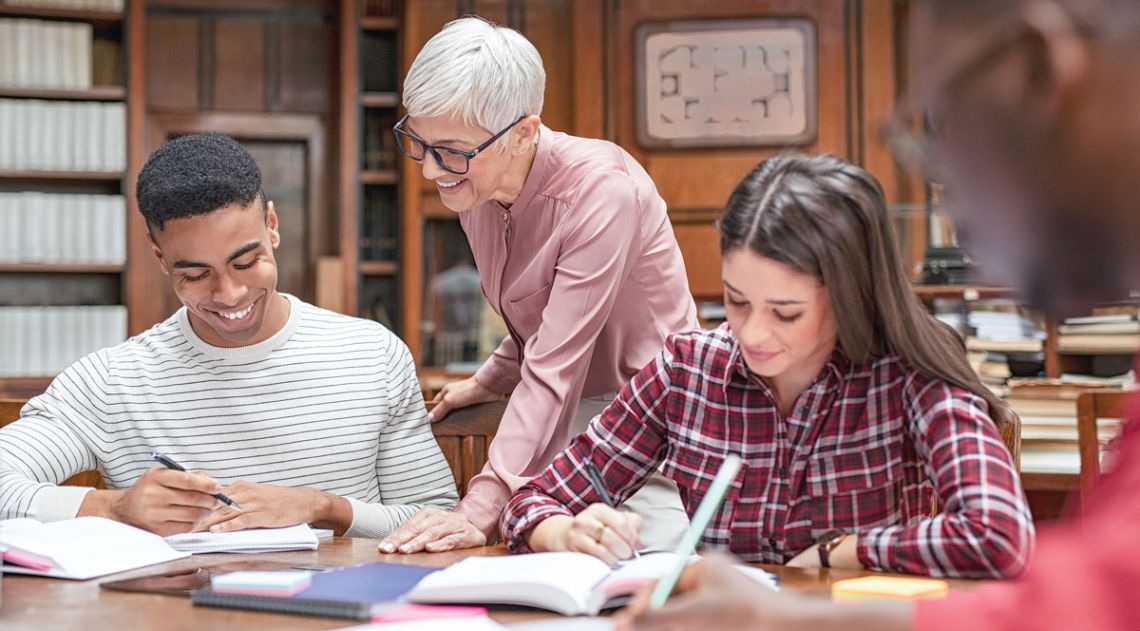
[355, 592]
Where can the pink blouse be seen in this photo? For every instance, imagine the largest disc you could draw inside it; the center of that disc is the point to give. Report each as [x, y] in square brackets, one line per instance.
[586, 272]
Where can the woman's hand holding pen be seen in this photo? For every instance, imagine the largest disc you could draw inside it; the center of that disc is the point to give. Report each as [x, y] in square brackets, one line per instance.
[601, 531]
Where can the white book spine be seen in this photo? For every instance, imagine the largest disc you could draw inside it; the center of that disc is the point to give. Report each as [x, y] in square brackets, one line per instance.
[7, 343]
[34, 331]
[20, 134]
[24, 35]
[83, 35]
[93, 125]
[49, 131]
[7, 133]
[119, 230]
[9, 229]
[117, 126]
[37, 155]
[102, 230]
[48, 59]
[7, 52]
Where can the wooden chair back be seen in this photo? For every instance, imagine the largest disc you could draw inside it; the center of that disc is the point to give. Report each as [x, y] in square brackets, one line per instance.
[464, 436]
[1011, 436]
[10, 412]
[1092, 406]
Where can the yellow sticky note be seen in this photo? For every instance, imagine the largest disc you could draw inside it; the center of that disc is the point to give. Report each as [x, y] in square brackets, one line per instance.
[888, 587]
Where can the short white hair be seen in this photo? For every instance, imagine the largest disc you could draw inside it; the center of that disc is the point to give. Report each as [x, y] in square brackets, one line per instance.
[482, 73]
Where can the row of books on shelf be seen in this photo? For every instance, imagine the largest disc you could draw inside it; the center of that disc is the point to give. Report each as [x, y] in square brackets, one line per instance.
[42, 341]
[63, 228]
[62, 135]
[89, 5]
[42, 54]
[1117, 332]
[1048, 412]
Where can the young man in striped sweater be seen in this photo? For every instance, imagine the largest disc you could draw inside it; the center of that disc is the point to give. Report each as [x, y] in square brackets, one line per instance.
[298, 414]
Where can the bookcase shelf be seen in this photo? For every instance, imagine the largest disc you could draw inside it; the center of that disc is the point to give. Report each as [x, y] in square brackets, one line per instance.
[60, 268]
[963, 292]
[69, 15]
[113, 86]
[385, 176]
[79, 177]
[100, 93]
[379, 268]
[379, 23]
[380, 99]
[373, 253]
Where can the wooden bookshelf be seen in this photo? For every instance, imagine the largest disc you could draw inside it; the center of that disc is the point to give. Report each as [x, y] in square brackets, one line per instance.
[380, 99]
[379, 268]
[60, 268]
[371, 227]
[379, 23]
[385, 177]
[963, 292]
[99, 93]
[76, 284]
[62, 176]
[65, 15]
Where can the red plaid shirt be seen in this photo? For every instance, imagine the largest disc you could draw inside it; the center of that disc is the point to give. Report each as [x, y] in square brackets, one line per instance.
[858, 453]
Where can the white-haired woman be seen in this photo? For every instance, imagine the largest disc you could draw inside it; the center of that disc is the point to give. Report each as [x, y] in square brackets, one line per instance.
[575, 251]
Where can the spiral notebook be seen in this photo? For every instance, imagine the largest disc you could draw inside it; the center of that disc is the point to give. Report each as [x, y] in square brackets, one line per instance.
[254, 540]
[359, 593]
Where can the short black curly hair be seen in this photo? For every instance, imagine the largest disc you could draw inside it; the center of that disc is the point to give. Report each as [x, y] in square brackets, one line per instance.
[194, 175]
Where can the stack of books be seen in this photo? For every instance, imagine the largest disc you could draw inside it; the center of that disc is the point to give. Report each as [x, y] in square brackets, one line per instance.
[1005, 342]
[1108, 333]
[1048, 411]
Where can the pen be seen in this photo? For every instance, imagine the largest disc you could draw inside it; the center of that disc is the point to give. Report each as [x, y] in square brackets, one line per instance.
[600, 488]
[169, 463]
[724, 477]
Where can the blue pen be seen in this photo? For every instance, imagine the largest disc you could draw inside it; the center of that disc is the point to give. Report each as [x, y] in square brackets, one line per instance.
[169, 463]
[715, 495]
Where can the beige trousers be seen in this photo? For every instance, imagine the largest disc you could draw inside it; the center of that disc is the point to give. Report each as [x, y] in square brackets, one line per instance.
[658, 502]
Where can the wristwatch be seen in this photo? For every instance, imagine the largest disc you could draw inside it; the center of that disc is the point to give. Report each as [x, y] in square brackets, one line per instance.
[828, 544]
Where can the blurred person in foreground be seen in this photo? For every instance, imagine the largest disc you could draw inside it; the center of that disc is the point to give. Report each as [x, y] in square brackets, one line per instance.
[1038, 159]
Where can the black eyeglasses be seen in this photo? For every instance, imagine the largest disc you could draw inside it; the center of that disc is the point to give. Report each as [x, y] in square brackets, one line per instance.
[448, 159]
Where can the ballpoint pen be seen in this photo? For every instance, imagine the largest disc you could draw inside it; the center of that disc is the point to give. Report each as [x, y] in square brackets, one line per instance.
[600, 488]
[169, 463]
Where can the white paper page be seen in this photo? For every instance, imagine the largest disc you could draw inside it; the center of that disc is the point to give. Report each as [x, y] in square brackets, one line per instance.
[522, 579]
[299, 537]
[580, 623]
[87, 547]
[474, 623]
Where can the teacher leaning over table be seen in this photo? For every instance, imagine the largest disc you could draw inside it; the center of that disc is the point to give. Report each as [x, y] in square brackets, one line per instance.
[574, 250]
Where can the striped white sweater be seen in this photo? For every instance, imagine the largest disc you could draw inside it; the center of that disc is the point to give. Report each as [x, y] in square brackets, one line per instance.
[329, 402]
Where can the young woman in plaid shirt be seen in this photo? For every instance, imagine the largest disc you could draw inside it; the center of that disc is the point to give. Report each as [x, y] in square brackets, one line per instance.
[850, 405]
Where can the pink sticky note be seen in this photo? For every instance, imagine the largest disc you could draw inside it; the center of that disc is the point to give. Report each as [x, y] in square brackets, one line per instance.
[427, 612]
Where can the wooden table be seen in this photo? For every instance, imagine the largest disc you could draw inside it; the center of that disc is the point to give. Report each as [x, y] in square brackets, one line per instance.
[43, 604]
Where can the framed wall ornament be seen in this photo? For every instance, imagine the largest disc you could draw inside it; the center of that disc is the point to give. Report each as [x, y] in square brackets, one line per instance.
[716, 83]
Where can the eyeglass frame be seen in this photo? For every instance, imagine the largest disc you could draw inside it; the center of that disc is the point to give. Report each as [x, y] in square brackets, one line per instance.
[915, 148]
[435, 149]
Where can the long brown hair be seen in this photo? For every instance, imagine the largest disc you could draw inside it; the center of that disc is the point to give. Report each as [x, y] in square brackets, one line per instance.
[828, 218]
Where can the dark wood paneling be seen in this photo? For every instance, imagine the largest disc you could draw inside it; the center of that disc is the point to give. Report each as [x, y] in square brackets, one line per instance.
[171, 62]
[239, 65]
[307, 70]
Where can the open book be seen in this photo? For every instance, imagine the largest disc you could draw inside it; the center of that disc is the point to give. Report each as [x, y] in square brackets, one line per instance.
[569, 583]
[80, 548]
